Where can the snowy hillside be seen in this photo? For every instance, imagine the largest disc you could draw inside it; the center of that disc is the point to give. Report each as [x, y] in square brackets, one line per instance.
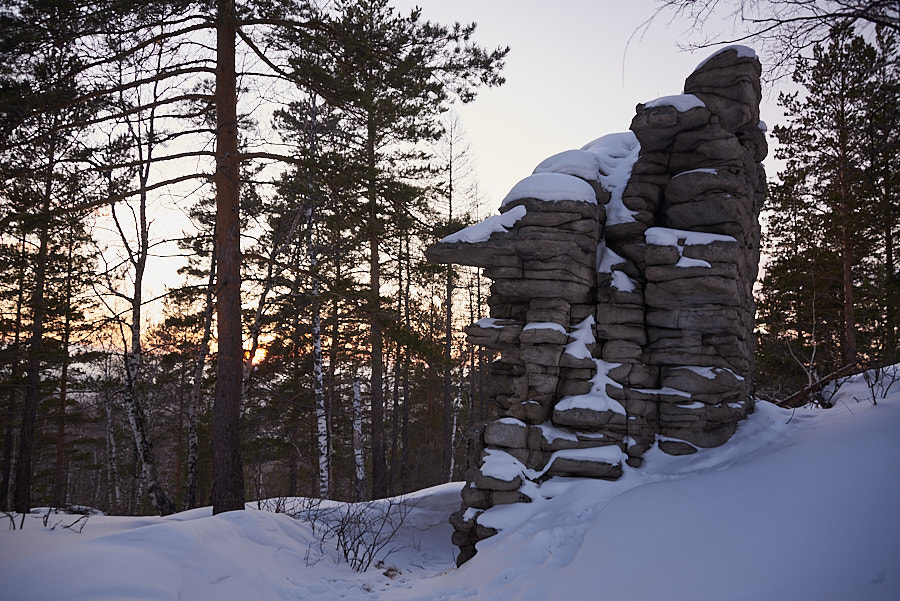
[797, 506]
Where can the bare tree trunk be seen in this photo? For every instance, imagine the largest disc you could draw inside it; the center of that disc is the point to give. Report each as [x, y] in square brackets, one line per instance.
[358, 460]
[59, 479]
[447, 451]
[228, 474]
[847, 262]
[114, 492]
[14, 384]
[322, 429]
[457, 403]
[398, 373]
[376, 336]
[22, 500]
[333, 356]
[133, 355]
[890, 288]
[193, 455]
[142, 441]
[404, 426]
[395, 423]
[319, 388]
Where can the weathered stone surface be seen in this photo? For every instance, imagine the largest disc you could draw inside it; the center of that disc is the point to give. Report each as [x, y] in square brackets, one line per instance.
[664, 329]
[556, 269]
[483, 254]
[665, 273]
[572, 387]
[530, 411]
[508, 497]
[729, 85]
[507, 432]
[621, 351]
[710, 435]
[656, 127]
[715, 214]
[543, 335]
[587, 419]
[527, 289]
[476, 497]
[493, 484]
[694, 291]
[536, 207]
[542, 384]
[545, 354]
[620, 314]
[709, 381]
[572, 362]
[564, 466]
[677, 447]
[711, 318]
[629, 333]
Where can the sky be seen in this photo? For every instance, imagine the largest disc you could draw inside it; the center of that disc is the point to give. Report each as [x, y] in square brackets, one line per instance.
[575, 71]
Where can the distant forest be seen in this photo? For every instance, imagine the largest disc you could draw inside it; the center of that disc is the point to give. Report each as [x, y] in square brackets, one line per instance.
[305, 346]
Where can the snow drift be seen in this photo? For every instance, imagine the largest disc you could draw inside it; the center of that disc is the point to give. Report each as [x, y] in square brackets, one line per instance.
[799, 505]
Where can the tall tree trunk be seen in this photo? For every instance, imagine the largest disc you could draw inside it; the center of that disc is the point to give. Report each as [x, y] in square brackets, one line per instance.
[334, 353]
[143, 444]
[398, 376]
[319, 393]
[395, 422]
[133, 355]
[319, 382]
[358, 459]
[447, 451]
[457, 404]
[14, 384]
[193, 454]
[22, 501]
[114, 492]
[847, 236]
[228, 475]
[404, 426]
[322, 429]
[890, 286]
[59, 478]
[376, 335]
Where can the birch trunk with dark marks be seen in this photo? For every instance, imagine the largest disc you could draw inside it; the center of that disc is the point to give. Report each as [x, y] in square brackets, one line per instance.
[318, 378]
[358, 459]
[133, 351]
[113, 489]
[193, 455]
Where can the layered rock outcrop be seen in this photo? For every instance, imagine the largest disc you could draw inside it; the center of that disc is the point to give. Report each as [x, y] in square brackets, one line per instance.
[621, 303]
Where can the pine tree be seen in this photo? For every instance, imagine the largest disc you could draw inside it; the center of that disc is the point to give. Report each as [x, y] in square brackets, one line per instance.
[392, 76]
[824, 298]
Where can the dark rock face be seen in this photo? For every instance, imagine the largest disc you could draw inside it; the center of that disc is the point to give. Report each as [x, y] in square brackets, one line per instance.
[623, 317]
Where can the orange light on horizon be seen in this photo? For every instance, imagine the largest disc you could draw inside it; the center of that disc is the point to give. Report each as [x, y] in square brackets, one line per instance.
[258, 356]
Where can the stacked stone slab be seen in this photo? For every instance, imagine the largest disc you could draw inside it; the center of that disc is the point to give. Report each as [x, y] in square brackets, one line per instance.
[621, 307]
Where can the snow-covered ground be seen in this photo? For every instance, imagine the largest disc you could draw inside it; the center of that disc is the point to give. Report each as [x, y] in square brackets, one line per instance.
[799, 505]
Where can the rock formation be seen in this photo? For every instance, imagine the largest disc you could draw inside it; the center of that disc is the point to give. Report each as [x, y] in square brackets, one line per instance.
[621, 303]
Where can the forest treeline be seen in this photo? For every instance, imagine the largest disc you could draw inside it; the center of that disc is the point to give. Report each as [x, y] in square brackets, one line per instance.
[305, 347]
[830, 292]
[318, 359]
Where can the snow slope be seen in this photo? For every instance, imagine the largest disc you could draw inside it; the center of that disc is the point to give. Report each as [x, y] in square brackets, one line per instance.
[799, 505]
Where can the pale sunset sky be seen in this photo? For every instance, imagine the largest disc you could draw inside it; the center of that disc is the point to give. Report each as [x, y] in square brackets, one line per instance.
[571, 76]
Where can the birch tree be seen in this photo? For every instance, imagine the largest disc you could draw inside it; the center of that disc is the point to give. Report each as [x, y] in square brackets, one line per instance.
[392, 75]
